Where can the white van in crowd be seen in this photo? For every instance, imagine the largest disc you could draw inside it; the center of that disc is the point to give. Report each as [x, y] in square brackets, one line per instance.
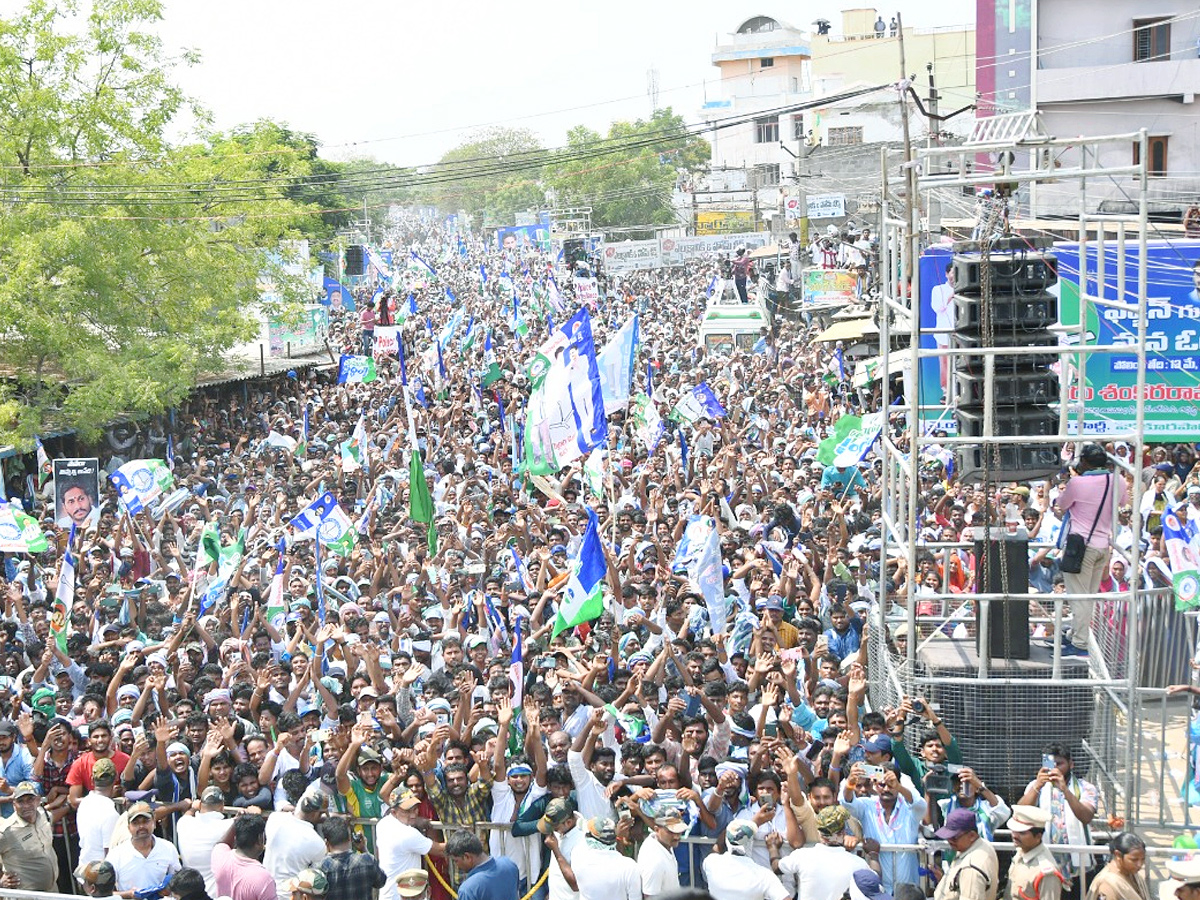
[730, 325]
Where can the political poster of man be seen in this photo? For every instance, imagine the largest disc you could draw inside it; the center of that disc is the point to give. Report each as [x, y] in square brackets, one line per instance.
[76, 492]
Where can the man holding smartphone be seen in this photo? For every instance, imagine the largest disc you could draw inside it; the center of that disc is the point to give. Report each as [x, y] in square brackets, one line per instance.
[1072, 804]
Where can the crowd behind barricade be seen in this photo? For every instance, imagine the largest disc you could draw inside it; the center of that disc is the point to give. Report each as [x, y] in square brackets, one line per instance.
[414, 723]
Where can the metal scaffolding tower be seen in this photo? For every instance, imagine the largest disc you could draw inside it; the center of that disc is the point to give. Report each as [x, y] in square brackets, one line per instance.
[1085, 703]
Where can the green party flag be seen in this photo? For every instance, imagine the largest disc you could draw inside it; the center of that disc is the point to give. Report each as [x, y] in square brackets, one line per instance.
[420, 502]
[827, 449]
[210, 544]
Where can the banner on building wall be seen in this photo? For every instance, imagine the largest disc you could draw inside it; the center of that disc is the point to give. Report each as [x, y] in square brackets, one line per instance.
[307, 334]
[628, 256]
[826, 206]
[1172, 397]
[724, 221]
[676, 251]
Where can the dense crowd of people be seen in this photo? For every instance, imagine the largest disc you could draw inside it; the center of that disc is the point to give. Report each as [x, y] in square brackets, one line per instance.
[417, 725]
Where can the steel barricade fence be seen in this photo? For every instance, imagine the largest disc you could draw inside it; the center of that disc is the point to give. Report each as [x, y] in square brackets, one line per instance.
[928, 851]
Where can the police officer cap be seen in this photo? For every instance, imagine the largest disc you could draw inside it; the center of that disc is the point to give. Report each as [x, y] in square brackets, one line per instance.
[1027, 818]
[1185, 870]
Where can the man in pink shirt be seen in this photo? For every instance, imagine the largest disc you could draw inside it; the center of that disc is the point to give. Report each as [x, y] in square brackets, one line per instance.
[1089, 497]
[237, 861]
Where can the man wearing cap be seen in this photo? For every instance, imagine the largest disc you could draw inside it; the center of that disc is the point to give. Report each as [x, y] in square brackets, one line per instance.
[732, 875]
[199, 830]
[601, 872]
[1088, 497]
[54, 758]
[27, 843]
[484, 877]
[292, 840]
[561, 836]
[144, 862]
[975, 872]
[361, 791]
[412, 884]
[96, 878]
[772, 609]
[400, 844]
[825, 870]
[1033, 874]
[97, 815]
[656, 859]
[305, 885]
[1185, 874]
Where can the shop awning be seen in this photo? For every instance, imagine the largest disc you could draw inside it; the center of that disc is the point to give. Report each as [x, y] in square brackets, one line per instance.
[849, 330]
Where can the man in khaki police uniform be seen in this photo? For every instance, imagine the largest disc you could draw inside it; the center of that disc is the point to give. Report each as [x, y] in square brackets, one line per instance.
[1185, 875]
[975, 873]
[27, 843]
[1033, 873]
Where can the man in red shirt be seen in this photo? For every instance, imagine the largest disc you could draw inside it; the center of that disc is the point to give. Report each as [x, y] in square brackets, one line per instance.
[100, 746]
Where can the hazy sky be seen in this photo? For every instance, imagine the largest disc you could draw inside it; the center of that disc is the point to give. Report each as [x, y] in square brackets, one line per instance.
[405, 81]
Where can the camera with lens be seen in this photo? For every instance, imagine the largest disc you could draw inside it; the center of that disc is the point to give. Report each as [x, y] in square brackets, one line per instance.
[941, 778]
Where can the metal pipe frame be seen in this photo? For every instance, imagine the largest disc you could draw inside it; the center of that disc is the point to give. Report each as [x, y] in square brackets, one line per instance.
[900, 243]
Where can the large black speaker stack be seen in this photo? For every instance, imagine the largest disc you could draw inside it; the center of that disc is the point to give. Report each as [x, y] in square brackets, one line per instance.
[1018, 313]
[1008, 620]
[356, 260]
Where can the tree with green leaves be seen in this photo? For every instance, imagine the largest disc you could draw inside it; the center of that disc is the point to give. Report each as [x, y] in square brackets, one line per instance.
[130, 267]
[627, 175]
[493, 173]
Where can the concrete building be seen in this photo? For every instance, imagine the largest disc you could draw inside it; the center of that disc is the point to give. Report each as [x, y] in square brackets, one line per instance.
[860, 55]
[1122, 66]
[762, 169]
[764, 66]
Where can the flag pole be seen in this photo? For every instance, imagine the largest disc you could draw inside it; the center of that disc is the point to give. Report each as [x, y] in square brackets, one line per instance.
[612, 505]
[317, 579]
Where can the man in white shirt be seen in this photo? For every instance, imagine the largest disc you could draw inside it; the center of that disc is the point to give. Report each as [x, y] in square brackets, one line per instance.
[292, 840]
[97, 814]
[601, 872]
[562, 836]
[513, 790]
[592, 782]
[144, 861]
[199, 831]
[656, 859]
[399, 845]
[732, 875]
[767, 816]
[826, 870]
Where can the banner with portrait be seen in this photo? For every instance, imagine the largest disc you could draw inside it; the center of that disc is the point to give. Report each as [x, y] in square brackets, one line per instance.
[76, 492]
